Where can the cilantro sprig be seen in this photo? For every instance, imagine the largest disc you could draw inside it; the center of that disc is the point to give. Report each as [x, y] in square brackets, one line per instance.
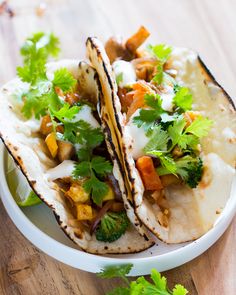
[96, 167]
[162, 53]
[41, 94]
[162, 142]
[183, 99]
[148, 117]
[141, 286]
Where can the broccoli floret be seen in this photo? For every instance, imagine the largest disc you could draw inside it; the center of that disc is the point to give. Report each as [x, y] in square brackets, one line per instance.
[195, 173]
[189, 168]
[112, 227]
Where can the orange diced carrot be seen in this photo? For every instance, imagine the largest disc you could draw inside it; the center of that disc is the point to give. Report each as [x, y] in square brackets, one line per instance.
[150, 178]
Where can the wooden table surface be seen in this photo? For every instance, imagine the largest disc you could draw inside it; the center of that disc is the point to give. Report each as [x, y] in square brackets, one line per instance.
[207, 26]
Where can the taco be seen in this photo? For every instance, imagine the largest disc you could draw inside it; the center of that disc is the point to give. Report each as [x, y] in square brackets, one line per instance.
[176, 128]
[50, 124]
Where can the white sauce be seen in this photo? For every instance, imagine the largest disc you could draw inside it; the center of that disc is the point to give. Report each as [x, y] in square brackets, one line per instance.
[137, 136]
[167, 98]
[70, 64]
[86, 115]
[62, 170]
[127, 70]
[33, 124]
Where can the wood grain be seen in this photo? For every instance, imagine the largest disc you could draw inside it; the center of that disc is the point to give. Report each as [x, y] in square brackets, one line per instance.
[207, 26]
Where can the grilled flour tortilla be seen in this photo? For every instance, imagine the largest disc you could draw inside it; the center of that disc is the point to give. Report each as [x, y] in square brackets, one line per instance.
[179, 213]
[46, 175]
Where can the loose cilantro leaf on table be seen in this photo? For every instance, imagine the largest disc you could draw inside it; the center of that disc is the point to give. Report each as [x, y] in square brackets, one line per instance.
[141, 286]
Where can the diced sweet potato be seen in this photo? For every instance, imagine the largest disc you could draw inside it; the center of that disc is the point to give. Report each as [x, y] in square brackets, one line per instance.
[140, 89]
[150, 178]
[77, 194]
[51, 143]
[72, 98]
[65, 150]
[137, 39]
[46, 125]
[84, 212]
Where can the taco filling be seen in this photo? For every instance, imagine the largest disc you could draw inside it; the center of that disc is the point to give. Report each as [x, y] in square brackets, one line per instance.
[55, 119]
[171, 120]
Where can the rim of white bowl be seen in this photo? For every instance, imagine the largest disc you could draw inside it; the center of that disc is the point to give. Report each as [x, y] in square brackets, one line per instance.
[49, 245]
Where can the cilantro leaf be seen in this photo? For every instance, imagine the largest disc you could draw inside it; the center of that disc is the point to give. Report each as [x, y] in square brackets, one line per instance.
[189, 168]
[82, 169]
[158, 78]
[84, 154]
[199, 127]
[115, 271]
[83, 133]
[35, 52]
[101, 166]
[119, 78]
[179, 290]
[66, 112]
[36, 101]
[119, 291]
[158, 140]
[141, 286]
[146, 117]
[176, 129]
[97, 167]
[63, 79]
[159, 281]
[160, 51]
[96, 188]
[183, 99]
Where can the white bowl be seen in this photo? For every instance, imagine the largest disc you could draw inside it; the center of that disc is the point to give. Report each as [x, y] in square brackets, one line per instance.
[39, 226]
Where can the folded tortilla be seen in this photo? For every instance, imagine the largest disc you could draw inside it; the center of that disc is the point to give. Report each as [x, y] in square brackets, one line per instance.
[192, 211]
[30, 153]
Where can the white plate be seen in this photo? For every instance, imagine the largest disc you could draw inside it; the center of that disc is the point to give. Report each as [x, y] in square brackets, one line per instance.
[38, 225]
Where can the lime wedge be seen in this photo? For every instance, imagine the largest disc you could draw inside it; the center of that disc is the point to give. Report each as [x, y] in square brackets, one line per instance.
[19, 187]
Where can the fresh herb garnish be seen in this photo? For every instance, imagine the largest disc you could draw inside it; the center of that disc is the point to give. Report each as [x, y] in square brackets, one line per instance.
[141, 286]
[162, 143]
[188, 168]
[96, 167]
[36, 50]
[119, 78]
[162, 53]
[183, 99]
[42, 95]
[147, 117]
